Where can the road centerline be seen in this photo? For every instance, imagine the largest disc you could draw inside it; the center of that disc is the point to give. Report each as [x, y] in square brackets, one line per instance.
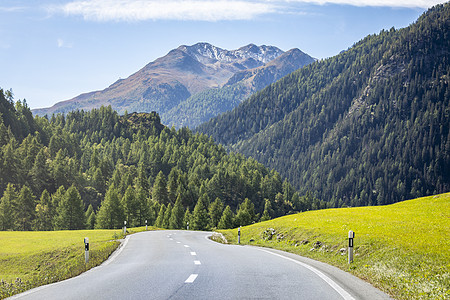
[191, 278]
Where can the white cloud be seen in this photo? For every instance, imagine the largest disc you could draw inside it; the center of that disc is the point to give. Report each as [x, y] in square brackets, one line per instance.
[63, 44]
[387, 3]
[203, 10]
[139, 10]
[12, 8]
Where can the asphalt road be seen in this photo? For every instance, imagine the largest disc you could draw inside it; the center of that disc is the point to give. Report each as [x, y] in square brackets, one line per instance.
[187, 265]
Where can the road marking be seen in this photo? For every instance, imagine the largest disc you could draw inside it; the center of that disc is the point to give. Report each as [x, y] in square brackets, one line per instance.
[186, 246]
[178, 242]
[197, 262]
[191, 278]
[193, 253]
[324, 277]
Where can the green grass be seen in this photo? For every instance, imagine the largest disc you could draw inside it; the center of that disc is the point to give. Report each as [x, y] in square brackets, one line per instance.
[403, 248]
[32, 258]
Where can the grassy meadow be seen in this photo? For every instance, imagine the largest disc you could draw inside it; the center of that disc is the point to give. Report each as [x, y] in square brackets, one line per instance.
[32, 258]
[403, 248]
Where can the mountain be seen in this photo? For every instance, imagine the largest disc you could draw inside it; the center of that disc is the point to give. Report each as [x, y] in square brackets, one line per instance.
[170, 80]
[368, 126]
[201, 107]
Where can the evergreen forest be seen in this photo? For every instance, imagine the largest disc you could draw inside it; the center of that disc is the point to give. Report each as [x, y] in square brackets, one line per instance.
[370, 126]
[97, 169]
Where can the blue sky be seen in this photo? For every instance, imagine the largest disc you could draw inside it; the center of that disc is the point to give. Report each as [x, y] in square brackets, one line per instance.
[53, 50]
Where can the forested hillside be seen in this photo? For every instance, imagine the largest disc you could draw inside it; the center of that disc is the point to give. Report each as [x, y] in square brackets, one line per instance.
[97, 169]
[368, 126]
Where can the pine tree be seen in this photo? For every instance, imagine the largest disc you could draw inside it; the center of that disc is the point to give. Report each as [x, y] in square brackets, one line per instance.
[40, 173]
[7, 202]
[111, 214]
[160, 219]
[167, 215]
[57, 199]
[24, 209]
[226, 221]
[200, 215]
[44, 218]
[176, 218]
[130, 206]
[215, 212]
[268, 211]
[90, 217]
[246, 213]
[159, 191]
[70, 211]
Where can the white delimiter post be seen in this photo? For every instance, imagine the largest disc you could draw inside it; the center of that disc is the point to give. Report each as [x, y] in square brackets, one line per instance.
[145, 225]
[351, 236]
[124, 227]
[86, 250]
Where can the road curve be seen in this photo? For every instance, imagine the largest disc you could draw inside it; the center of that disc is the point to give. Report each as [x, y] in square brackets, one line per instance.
[187, 265]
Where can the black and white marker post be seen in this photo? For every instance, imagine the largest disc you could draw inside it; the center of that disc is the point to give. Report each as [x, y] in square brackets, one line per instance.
[239, 234]
[145, 225]
[351, 236]
[187, 225]
[86, 250]
[124, 227]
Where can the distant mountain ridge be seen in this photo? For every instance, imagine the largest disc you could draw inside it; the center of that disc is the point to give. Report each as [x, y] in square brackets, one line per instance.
[368, 126]
[170, 80]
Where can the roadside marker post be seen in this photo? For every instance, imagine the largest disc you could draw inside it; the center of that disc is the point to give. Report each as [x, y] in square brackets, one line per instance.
[86, 250]
[351, 236]
[145, 225]
[239, 234]
[124, 227]
[187, 225]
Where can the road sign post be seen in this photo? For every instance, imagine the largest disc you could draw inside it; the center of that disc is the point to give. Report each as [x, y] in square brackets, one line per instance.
[86, 250]
[351, 236]
[239, 235]
[124, 227]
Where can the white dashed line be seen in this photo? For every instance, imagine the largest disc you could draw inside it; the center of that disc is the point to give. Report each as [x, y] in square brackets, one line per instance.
[193, 253]
[191, 278]
[178, 242]
[186, 246]
[197, 262]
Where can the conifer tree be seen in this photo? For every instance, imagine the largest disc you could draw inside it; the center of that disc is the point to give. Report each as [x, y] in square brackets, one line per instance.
[215, 212]
[110, 214]
[90, 217]
[40, 173]
[268, 211]
[226, 221]
[7, 202]
[176, 218]
[24, 209]
[159, 191]
[44, 218]
[160, 219]
[71, 210]
[200, 215]
[167, 215]
[56, 202]
[246, 213]
[130, 206]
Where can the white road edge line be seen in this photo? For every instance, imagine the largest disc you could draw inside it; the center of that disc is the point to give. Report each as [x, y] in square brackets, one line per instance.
[116, 253]
[191, 278]
[186, 246]
[193, 253]
[324, 277]
[197, 262]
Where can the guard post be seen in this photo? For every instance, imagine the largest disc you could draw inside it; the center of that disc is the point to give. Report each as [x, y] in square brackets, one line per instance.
[146, 225]
[239, 234]
[86, 250]
[351, 236]
[187, 225]
[124, 227]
